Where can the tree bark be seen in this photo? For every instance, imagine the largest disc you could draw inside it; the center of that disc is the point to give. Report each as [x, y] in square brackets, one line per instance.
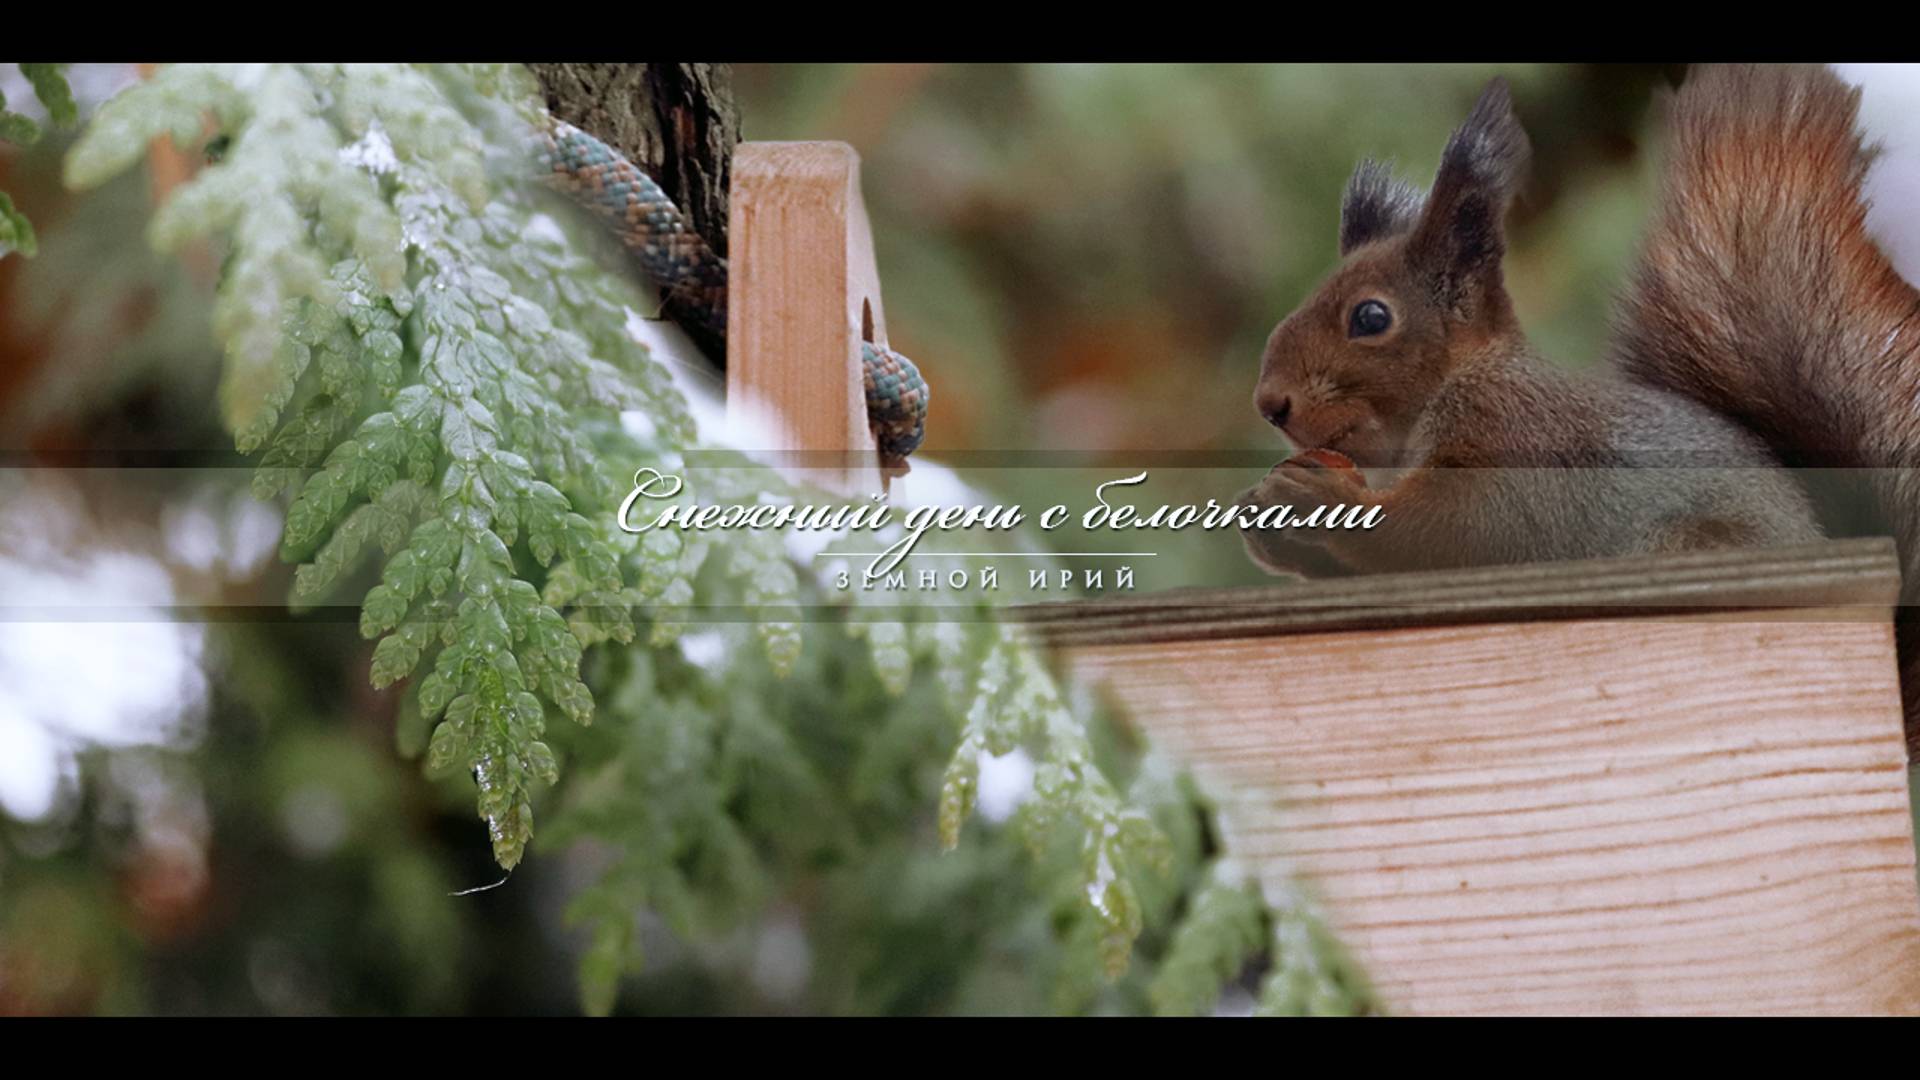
[678, 122]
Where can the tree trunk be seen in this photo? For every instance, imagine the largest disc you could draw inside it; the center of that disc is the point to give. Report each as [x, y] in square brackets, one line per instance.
[676, 121]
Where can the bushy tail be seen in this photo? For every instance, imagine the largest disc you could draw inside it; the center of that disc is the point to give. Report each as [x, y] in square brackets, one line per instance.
[1760, 294]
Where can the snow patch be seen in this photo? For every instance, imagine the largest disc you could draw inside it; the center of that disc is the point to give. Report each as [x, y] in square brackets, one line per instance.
[373, 151]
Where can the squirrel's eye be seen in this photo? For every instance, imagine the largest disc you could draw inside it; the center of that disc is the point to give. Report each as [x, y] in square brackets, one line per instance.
[1369, 317]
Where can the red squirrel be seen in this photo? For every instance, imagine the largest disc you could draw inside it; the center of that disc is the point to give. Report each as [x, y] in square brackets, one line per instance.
[1762, 327]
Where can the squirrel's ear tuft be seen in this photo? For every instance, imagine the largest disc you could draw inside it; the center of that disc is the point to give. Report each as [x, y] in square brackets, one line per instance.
[1461, 235]
[1490, 146]
[1376, 206]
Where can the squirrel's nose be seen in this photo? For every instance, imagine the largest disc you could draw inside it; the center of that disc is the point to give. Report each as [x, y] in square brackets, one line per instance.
[1277, 412]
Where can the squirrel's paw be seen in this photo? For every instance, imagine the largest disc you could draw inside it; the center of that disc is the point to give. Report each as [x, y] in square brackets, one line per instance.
[1308, 485]
[1280, 549]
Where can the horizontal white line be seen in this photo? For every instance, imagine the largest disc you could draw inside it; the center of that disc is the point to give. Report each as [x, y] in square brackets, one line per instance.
[996, 554]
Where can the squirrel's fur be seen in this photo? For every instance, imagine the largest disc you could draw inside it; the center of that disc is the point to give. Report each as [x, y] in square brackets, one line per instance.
[1762, 327]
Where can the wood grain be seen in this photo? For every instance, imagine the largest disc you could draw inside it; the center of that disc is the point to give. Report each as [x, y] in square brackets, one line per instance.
[1701, 814]
[803, 293]
[1671, 784]
[1862, 575]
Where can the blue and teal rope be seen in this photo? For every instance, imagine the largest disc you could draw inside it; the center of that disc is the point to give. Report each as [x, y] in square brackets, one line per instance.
[659, 236]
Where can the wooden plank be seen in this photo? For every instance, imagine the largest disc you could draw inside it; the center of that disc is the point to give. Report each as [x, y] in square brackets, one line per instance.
[1861, 574]
[1673, 815]
[803, 292]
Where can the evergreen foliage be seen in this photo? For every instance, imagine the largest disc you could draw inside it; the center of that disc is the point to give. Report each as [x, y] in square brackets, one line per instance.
[50, 86]
[431, 360]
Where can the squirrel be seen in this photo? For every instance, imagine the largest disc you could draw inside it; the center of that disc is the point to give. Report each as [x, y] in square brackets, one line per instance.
[1762, 332]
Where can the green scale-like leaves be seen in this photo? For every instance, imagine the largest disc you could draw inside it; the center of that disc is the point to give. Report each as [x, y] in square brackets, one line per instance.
[411, 367]
[432, 366]
[50, 87]
[1224, 929]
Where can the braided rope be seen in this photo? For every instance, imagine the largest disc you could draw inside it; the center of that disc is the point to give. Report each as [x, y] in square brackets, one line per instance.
[654, 230]
[896, 400]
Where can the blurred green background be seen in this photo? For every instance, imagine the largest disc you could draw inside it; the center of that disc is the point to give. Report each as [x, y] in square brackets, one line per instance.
[1082, 258]
[1087, 258]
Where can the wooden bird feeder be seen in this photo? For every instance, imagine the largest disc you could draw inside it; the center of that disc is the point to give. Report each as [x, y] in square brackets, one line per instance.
[1667, 784]
[803, 293]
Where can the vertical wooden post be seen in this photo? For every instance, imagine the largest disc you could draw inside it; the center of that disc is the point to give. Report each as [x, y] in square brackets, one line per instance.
[803, 293]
